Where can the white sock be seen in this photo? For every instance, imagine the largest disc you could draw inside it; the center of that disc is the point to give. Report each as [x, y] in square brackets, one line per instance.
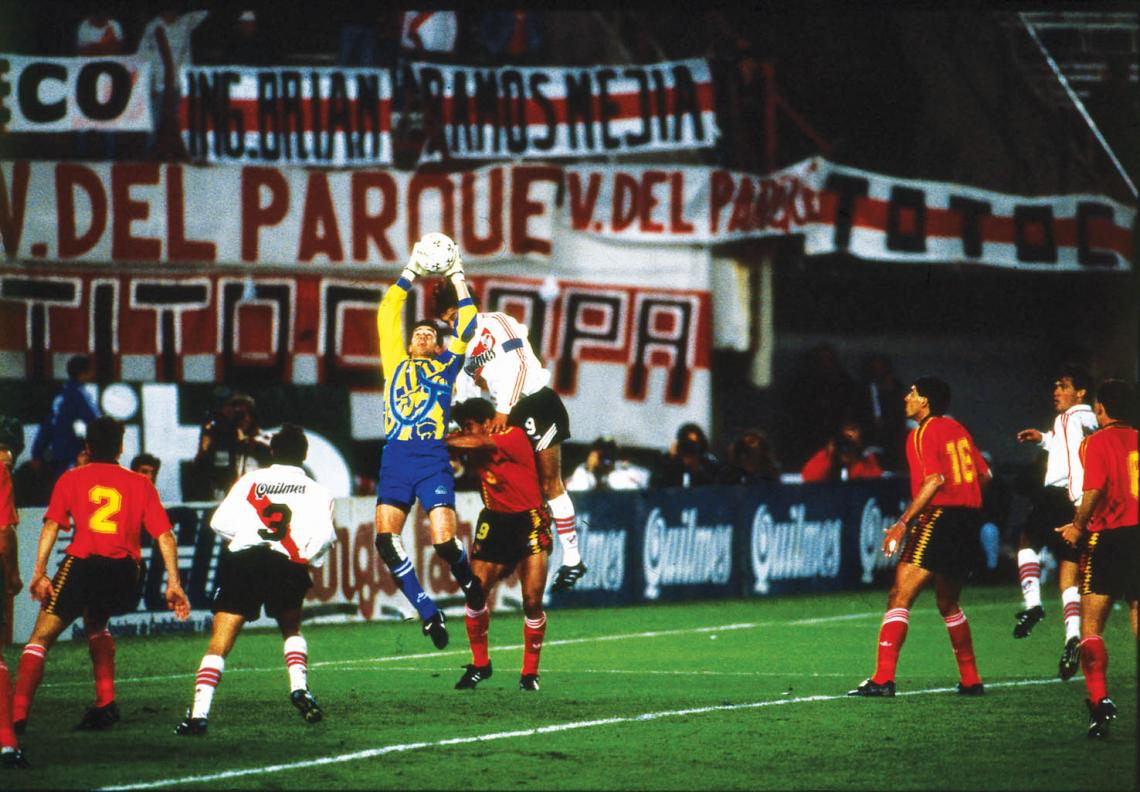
[1029, 573]
[565, 526]
[209, 675]
[1071, 602]
[297, 661]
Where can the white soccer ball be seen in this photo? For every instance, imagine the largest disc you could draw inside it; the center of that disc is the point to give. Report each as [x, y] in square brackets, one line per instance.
[436, 252]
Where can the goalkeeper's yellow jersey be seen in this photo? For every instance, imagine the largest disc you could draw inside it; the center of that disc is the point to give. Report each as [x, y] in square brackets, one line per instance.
[417, 391]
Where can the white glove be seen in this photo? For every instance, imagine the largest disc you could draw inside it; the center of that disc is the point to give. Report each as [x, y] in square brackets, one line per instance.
[413, 264]
[456, 267]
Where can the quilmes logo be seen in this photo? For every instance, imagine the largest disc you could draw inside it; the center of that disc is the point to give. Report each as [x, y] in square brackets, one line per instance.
[871, 526]
[685, 554]
[278, 488]
[798, 548]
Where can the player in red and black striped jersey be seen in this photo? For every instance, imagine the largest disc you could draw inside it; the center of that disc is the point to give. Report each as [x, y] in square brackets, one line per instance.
[947, 475]
[512, 533]
[109, 506]
[1106, 533]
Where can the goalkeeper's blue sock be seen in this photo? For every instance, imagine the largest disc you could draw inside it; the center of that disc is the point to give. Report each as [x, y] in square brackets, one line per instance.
[391, 551]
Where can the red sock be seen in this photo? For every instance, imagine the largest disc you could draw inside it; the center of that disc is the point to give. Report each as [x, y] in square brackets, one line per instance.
[891, 637]
[28, 677]
[1094, 662]
[534, 630]
[7, 734]
[101, 647]
[477, 624]
[963, 646]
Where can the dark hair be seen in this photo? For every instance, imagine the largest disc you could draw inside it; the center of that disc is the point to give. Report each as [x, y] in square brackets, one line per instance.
[241, 398]
[687, 445]
[444, 296]
[146, 459]
[12, 434]
[1118, 398]
[105, 439]
[430, 323]
[289, 445]
[1078, 375]
[77, 366]
[472, 410]
[936, 392]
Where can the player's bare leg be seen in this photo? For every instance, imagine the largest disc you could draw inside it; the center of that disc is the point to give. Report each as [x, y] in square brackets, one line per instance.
[30, 673]
[947, 591]
[532, 574]
[1095, 609]
[909, 581]
[227, 627]
[1071, 603]
[389, 525]
[478, 622]
[565, 520]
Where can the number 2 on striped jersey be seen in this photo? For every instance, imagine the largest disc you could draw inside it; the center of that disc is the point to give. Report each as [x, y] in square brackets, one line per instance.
[961, 460]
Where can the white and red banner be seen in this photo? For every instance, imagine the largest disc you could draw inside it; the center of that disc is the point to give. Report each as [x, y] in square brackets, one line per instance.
[305, 116]
[368, 219]
[507, 112]
[839, 209]
[69, 94]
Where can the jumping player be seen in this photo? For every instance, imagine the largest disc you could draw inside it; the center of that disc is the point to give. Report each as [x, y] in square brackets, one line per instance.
[278, 522]
[1105, 529]
[501, 356]
[110, 506]
[513, 533]
[1053, 506]
[941, 524]
[419, 378]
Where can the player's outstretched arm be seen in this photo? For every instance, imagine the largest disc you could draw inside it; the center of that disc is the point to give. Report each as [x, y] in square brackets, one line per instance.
[175, 597]
[40, 586]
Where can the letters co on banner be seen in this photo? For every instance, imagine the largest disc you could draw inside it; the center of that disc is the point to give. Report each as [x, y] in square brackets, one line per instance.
[558, 112]
[66, 94]
[313, 116]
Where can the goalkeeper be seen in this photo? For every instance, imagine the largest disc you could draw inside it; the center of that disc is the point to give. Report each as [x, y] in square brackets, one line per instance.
[418, 380]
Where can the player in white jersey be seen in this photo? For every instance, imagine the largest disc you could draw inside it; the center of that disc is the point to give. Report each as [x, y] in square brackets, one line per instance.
[278, 522]
[1057, 500]
[500, 358]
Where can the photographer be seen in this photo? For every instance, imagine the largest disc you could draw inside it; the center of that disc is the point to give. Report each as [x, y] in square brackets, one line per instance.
[843, 458]
[602, 470]
[689, 462]
[229, 446]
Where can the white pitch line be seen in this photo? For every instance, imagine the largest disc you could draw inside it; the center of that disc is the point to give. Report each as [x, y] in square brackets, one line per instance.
[553, 728]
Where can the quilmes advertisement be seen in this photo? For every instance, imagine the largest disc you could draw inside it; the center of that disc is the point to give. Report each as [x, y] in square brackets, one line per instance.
[653, 546]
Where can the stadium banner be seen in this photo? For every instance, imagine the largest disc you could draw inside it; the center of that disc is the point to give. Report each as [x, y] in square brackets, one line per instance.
[837, 209]
[301, 115]
[513, 112]
[41, 94]
[646, 546]
[290, 216]
[250, 215]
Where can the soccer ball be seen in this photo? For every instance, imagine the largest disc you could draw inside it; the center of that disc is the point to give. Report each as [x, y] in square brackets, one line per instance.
[435, 252]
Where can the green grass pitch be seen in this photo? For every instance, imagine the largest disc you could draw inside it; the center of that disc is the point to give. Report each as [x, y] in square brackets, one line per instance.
[710, 695]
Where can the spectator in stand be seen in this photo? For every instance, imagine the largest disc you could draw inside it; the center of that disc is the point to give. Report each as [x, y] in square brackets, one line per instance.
[245, 44]
[879, 406]
[429, 34]
[165, 44]
[230, 445]
[514, 37]
[689, 462]
[604, 470]
[57, 445]
[820, 396]
[148, 465]
[750, 459]
[843, 457]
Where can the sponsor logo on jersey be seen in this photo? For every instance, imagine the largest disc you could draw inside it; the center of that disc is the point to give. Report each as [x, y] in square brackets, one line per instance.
[279, 488]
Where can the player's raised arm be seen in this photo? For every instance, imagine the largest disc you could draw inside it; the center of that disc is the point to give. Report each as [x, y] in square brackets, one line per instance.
[389, 319]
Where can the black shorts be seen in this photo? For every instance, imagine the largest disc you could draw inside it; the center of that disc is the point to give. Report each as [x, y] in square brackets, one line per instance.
[1110, 564]
[1051, 509]
[542, 415]
[509, 537]
[259, 576]
[944, 540]
[95, 586]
